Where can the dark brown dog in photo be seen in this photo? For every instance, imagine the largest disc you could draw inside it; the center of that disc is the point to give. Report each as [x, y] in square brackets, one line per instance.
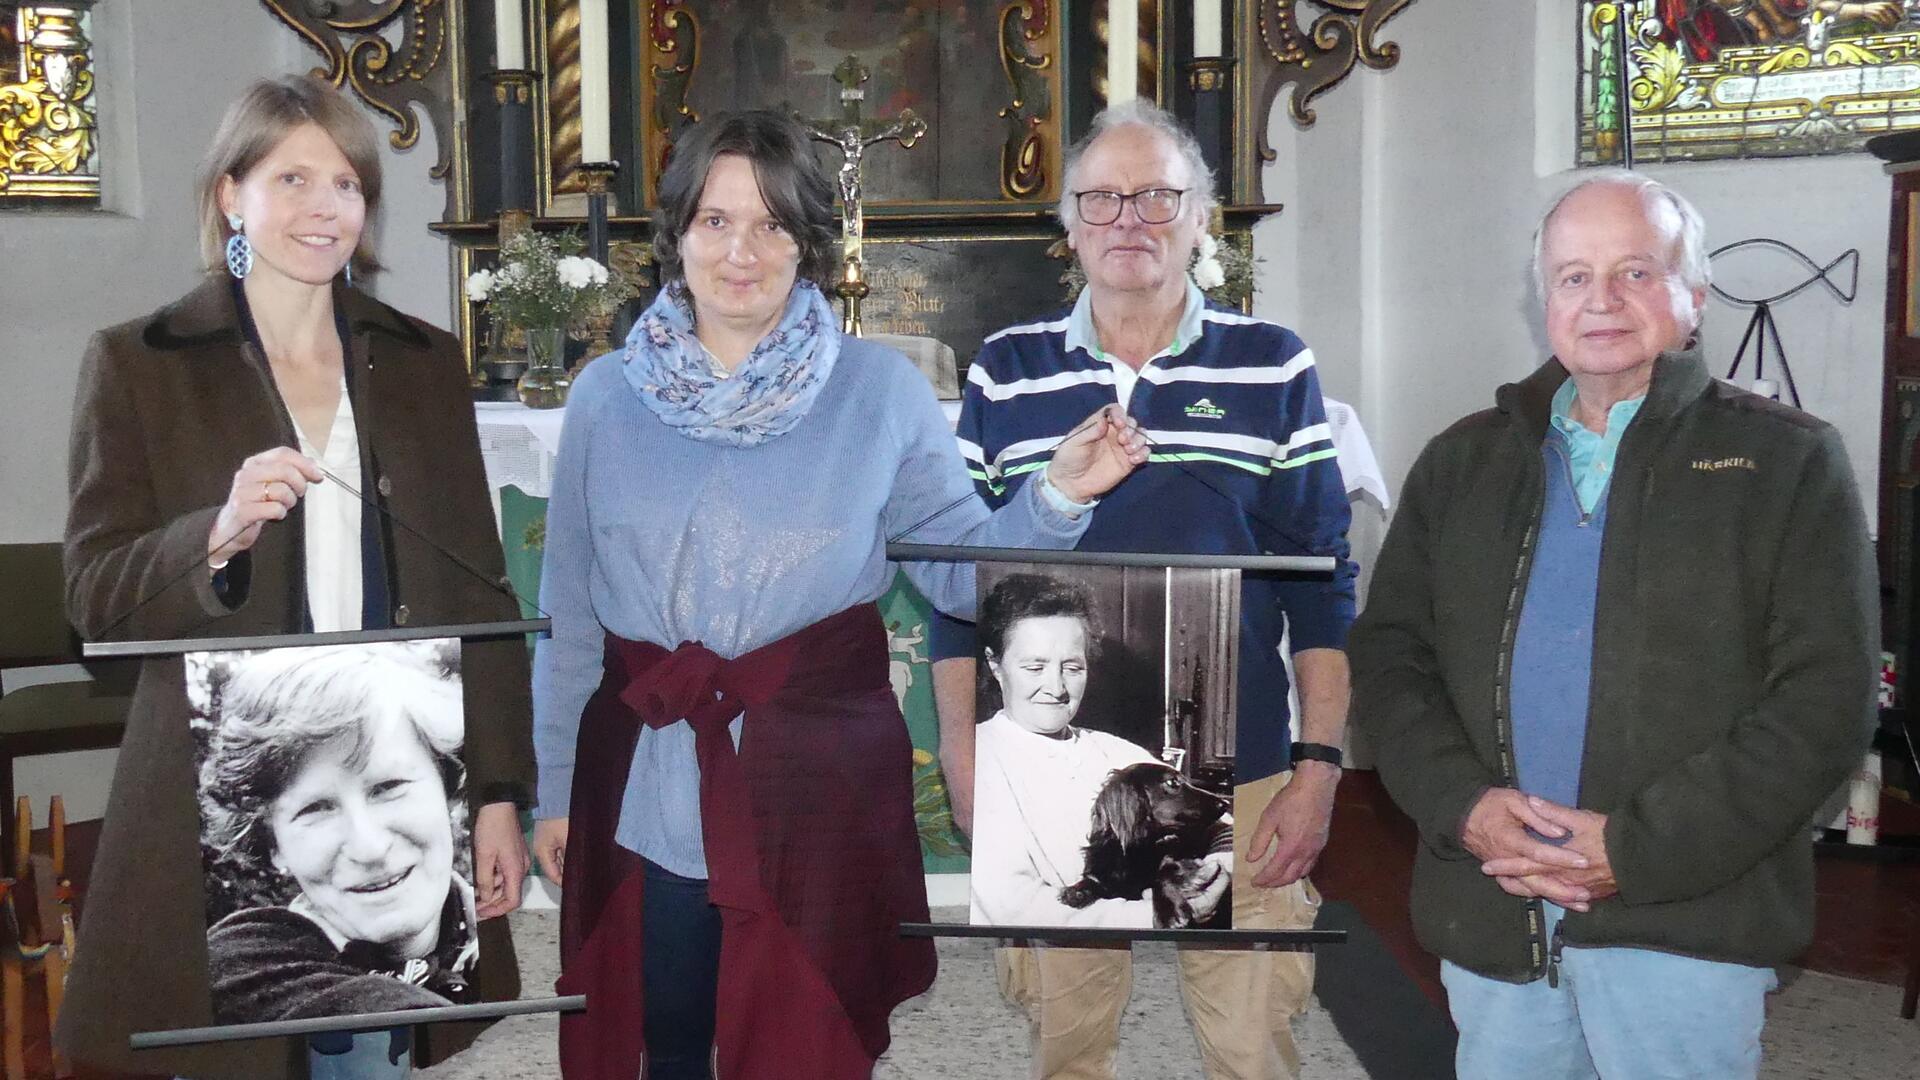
[1151, 831]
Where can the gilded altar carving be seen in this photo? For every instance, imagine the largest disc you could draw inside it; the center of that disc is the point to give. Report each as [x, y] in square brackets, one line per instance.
[1028, 40]
[393, 80]
[1315, 58]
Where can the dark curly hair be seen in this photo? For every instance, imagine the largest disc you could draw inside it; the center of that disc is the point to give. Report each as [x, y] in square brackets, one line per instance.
[794, 187]
[1030, 596]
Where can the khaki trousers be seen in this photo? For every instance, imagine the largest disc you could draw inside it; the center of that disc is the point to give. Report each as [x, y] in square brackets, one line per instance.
[1241, 1002]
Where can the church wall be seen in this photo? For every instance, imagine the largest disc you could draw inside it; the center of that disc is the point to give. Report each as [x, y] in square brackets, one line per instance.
[69, 274]
[1402, 255]
[418, 277]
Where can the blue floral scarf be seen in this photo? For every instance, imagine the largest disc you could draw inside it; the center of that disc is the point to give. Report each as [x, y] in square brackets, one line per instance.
[761, 399]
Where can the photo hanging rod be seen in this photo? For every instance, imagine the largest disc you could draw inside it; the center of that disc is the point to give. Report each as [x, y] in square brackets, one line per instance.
[1062, 935]
[485, 1010]
[100, 650]
[1309, 564]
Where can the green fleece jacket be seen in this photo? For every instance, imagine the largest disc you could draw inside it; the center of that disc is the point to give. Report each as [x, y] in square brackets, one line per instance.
[1736, 642]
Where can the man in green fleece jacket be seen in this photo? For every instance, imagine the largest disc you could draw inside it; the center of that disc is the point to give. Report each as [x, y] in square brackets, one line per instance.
[1620, 645]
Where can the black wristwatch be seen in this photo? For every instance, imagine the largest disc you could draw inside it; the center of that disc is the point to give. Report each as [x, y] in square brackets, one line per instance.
[1313, 751]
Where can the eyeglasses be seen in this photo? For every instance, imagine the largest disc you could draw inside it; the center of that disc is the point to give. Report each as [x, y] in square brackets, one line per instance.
[1154, 206]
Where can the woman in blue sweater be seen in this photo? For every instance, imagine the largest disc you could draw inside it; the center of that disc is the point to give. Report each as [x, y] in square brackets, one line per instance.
[724, 774]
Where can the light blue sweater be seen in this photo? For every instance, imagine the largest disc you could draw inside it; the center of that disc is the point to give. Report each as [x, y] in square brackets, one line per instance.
[1552, 675]
[658, 537]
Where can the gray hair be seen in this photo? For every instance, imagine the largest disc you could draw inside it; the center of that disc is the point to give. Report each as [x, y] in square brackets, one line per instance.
[1691, 260]
[1144, 114]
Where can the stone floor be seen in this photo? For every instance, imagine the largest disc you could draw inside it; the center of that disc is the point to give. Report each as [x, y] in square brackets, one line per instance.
[1819, 1027]
[960, 1030]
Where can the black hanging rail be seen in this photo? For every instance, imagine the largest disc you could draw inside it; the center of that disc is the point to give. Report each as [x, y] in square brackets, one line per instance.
[1310, 564]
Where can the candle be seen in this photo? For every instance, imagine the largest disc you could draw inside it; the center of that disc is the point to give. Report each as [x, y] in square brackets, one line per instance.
[1206, 28]
[509, 36]
[1863, 802]
[595, 98]
[1123, 50]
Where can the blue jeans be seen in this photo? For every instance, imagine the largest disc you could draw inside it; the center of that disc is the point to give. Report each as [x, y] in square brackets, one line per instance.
[1618, 1014]
[680, 971]
[360, 1055]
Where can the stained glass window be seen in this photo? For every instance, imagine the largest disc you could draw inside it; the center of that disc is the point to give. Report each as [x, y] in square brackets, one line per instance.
[48, 152]
[1706, 79]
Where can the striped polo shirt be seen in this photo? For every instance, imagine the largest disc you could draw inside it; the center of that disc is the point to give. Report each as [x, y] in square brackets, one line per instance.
[1241, 462]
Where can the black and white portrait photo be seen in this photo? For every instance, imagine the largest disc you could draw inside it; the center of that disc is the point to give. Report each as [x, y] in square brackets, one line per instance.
[334, 831]
[1103, 771]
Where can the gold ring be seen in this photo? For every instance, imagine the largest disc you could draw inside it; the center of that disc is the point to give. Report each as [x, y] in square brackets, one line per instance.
[266, 491]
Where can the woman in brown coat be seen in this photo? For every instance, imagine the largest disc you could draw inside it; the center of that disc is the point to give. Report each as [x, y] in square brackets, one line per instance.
[201, 508]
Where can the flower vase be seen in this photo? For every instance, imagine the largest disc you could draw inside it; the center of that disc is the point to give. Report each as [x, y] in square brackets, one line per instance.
[546, 382]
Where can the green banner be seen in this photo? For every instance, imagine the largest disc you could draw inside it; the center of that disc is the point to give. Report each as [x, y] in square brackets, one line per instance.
[523, 537]
[909, 618]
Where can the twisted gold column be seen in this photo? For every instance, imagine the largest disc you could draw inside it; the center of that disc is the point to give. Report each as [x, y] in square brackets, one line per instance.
[563, 96]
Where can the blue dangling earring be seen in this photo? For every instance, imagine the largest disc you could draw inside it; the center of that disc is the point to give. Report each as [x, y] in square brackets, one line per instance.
[239, 249]
[349, 273]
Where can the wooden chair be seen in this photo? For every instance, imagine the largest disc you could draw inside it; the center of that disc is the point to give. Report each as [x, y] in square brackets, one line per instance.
[49, 718]
[36, 936]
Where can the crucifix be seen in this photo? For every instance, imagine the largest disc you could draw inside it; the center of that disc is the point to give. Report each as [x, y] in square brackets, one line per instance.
[853, 133]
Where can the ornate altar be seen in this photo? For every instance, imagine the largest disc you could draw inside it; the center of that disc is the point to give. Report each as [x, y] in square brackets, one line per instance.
[525, 98]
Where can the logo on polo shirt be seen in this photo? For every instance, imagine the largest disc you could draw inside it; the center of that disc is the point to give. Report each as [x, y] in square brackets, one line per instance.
[1205, 410]
[1717, 464]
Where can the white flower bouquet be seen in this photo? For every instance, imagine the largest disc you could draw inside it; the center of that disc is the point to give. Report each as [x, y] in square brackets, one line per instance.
[1207, 271]
[543, 281]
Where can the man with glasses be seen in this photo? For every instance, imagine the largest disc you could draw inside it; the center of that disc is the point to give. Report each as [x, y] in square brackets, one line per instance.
[1242, 463]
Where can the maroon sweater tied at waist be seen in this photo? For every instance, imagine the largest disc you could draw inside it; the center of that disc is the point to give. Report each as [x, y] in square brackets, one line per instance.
[813, 857]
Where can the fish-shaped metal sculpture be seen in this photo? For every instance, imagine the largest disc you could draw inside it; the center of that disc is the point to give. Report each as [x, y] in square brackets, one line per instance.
[1848, 261]
[1761, 329]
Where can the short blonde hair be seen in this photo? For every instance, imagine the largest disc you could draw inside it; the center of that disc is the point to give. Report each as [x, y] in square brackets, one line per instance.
[267, 113]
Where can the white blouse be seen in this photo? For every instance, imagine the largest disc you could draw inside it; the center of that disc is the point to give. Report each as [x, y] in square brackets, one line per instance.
[1032, 808]
[334, 591]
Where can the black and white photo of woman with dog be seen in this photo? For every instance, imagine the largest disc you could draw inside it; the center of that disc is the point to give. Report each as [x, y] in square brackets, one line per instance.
[1075, 825]
[334, 832]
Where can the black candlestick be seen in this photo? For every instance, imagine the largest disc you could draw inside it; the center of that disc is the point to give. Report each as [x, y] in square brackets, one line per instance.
[513, 95]
[597, 176]
[1210, 78]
